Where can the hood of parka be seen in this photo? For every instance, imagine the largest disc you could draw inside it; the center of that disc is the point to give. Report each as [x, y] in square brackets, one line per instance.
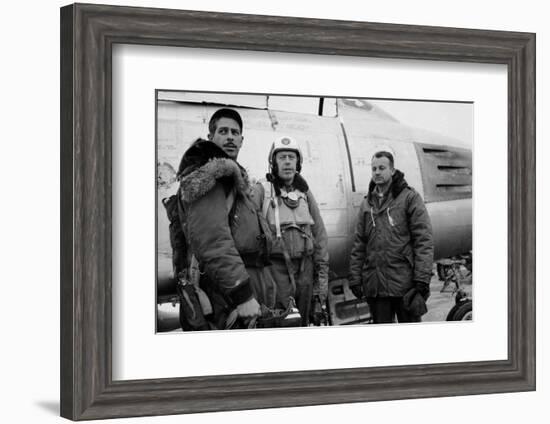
[202, 165]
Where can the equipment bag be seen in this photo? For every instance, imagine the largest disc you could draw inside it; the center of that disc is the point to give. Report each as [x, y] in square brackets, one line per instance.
[192, 316]
[177, 237]
[195, 306]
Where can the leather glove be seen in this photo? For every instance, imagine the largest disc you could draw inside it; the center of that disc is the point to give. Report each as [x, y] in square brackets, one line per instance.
[414, 303]
[422, 288]
[357, 290]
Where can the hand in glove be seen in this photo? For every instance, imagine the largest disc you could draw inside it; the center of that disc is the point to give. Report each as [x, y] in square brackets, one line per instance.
[414, 303]
[318, 314]
[423, 289]
[249, 309]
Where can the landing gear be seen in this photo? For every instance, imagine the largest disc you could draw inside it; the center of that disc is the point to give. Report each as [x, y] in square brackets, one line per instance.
[462, 310]
[455, 271]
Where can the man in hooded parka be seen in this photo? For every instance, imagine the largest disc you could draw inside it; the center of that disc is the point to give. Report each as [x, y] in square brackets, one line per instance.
[392, 254]
[222, 222]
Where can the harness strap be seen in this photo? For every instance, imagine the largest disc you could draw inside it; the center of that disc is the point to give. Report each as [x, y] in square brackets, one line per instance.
[289, 268]
[265, 203]
[277, 218]
[288, 262]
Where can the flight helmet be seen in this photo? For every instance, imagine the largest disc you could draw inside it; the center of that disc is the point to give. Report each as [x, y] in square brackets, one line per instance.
[285, 143]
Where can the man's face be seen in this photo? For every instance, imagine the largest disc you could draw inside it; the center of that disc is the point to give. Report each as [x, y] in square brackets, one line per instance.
[286, 165]
[227, 136]
[381, 170]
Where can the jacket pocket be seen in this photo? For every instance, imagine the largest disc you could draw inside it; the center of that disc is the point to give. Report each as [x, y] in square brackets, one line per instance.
[370, 282]
[407, 255]
[398, 272]
[266, 236]
[245, 229]
[370, 260]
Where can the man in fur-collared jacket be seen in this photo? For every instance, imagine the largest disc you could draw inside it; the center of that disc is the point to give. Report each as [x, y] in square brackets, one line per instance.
[222, 222]
[392, 255]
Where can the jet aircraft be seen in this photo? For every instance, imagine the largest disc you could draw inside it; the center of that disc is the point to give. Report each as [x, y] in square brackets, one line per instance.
[337, 143]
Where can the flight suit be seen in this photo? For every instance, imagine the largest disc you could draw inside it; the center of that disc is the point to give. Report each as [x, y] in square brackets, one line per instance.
[299, 257]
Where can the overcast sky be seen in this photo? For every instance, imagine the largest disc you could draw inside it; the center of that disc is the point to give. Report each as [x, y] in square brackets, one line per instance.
[446, 118]
[450, 119]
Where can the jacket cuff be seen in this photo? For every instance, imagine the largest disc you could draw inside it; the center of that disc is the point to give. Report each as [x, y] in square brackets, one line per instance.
[353, 281]
[422, 277]
[241, 293]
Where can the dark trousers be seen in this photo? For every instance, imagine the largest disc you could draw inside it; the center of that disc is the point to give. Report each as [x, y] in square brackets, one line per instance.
[385, 310]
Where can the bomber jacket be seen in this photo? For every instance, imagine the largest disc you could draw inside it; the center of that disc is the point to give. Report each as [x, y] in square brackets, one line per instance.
[393, 244]
[225, 242]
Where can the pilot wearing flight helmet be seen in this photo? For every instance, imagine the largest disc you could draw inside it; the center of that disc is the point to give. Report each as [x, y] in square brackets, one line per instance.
[300, 250]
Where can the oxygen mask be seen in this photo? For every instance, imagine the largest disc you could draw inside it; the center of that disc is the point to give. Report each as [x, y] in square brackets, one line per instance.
[290, 199]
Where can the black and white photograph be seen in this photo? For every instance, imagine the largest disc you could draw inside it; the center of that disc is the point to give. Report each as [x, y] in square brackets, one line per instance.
[277, 211]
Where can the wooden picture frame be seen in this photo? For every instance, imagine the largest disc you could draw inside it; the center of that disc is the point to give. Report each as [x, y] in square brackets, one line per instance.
[88, 33]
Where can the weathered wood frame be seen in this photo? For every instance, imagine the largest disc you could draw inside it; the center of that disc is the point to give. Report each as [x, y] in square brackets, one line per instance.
[88, 33]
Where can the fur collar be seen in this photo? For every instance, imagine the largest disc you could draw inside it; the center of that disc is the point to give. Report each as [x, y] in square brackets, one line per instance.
[203, 179]
[200, 152]
[298, 183]
[202, 165]
[398, 184]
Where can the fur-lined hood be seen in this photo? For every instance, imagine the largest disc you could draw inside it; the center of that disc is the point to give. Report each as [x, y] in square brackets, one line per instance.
[202, 165]
[398, 184]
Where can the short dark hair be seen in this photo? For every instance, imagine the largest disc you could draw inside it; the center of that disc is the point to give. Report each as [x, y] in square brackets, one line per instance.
[384, 154]
[224, 113]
